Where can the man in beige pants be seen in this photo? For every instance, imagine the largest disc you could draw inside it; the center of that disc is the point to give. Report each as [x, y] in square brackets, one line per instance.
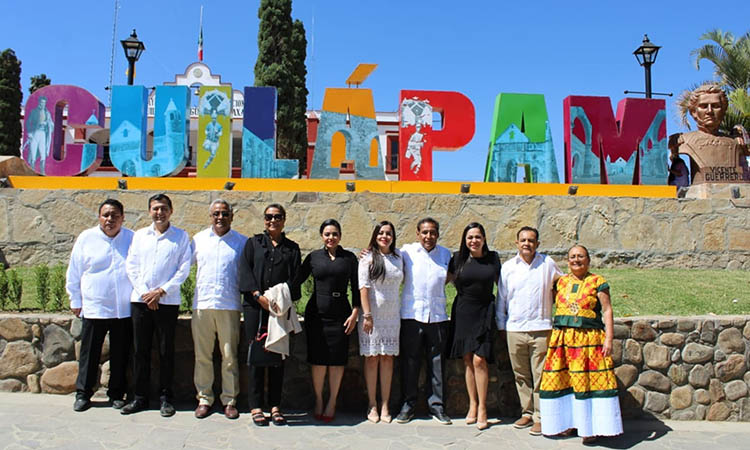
[216, 309]
[524, 309]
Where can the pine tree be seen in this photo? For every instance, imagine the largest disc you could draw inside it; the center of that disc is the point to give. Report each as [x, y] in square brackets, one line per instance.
[298, 124]
[281, 63]
[38, 82]
[11, 97]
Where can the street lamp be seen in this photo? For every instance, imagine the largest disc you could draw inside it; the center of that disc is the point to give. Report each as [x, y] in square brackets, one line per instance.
[646, 56]
[133, 49]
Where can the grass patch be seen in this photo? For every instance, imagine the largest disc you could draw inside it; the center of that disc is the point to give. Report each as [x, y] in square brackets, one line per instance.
[680, 292]
[635, 292]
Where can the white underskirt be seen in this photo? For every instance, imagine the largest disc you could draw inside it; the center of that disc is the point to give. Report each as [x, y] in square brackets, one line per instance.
[591, 417]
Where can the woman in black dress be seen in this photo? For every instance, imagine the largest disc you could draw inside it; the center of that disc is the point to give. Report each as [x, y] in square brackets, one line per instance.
[329, 319]
[474, 269]
[268, 259]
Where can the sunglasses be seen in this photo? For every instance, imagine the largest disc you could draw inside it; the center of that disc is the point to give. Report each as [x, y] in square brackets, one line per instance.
[270, 217]
[221, 214]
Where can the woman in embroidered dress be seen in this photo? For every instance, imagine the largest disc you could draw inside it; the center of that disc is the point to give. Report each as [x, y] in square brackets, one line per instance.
[579, 389]
[380, 273]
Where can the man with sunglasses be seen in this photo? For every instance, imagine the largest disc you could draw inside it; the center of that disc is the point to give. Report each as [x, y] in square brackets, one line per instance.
[216, 309]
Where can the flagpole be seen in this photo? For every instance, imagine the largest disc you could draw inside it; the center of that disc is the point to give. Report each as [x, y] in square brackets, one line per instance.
[200, 37]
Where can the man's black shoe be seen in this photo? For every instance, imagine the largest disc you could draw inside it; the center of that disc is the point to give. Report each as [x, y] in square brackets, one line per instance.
[81, 404]
[406, 414]
[134, 407]
[439, 415]
[117, 404]
[166, 410]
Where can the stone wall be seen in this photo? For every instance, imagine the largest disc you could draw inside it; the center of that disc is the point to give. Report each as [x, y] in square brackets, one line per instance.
[667, 367]
[39, 226]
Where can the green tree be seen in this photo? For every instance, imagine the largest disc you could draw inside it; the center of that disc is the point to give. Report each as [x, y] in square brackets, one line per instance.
[731, 59]
[298, 124]
[38, 82]
[11, 97]
[277, 66]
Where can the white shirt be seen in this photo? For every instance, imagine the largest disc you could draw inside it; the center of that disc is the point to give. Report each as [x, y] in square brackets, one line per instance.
[96, 279]
[423, 297]
[159, 260]
[524, 294]
[216, 282]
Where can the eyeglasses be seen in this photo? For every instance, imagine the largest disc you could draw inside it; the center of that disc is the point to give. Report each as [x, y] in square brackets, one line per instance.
[270, 217]
[221, 214]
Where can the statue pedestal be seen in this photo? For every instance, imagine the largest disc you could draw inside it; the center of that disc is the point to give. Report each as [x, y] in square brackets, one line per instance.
[718, 190]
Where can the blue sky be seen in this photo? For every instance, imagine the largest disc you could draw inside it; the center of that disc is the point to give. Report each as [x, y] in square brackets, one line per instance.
[480, 48]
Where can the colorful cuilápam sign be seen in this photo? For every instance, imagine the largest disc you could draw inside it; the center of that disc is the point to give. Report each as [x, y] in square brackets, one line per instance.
[600, 147]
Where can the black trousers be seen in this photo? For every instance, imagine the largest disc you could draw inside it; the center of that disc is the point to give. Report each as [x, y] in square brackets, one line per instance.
[420, 340]
[145, 322]
[257, 379]
[93, 332]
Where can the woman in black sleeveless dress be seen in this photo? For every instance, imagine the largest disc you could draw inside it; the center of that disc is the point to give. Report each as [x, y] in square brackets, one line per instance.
[474, 269]
[329, 319]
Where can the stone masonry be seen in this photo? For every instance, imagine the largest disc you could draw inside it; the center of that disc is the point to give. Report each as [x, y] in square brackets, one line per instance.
[40, 226]
[681, 368]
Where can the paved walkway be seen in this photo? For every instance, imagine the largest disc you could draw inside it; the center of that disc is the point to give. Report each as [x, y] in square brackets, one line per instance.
[48, 421]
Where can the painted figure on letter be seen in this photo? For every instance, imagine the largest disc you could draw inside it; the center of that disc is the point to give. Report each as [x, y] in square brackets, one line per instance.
[418, 113]
[214, 103]
[414, 149]
[40, 128]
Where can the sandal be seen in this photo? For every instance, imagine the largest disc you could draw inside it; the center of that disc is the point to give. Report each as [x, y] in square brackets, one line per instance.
[259, 419]
[373, 415]
[277, 419]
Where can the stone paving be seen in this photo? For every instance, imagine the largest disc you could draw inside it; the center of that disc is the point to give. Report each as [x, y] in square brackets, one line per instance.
[48, 421]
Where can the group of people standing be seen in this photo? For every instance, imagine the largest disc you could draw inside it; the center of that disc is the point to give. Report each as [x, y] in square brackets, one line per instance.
[128, 284]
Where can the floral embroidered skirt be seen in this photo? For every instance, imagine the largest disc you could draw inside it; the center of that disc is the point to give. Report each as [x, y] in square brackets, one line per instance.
[579, 388]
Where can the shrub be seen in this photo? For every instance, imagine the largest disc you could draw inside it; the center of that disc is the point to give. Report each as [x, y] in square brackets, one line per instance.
[15, 290]
[3, 287]
[41, 279]
[187, 291]
[57, 288]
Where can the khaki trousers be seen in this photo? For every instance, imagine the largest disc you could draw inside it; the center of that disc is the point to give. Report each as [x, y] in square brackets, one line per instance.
[527, 352]
[207, 325]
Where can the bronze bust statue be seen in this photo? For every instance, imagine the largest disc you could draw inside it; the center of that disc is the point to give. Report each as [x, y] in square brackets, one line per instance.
[714, 157]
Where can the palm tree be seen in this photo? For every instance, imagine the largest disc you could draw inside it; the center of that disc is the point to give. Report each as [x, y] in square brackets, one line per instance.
[731, 59]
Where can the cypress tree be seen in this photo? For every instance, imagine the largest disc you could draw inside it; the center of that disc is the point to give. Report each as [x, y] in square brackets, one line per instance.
[11, 97]
[272, 68]
[298, 124]
[281, 63]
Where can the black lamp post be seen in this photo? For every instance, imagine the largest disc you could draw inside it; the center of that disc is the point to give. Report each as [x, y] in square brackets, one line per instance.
[133, 49]
[646, 56]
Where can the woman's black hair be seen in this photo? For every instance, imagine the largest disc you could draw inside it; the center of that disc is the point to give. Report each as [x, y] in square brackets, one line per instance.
[463, 250]
[277, 206]
[330, 222]
[377, 265]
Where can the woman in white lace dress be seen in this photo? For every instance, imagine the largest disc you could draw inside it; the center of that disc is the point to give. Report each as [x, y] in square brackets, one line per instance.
[380, 275]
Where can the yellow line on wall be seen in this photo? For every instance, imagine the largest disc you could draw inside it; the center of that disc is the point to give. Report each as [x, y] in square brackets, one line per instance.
[312, 185]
